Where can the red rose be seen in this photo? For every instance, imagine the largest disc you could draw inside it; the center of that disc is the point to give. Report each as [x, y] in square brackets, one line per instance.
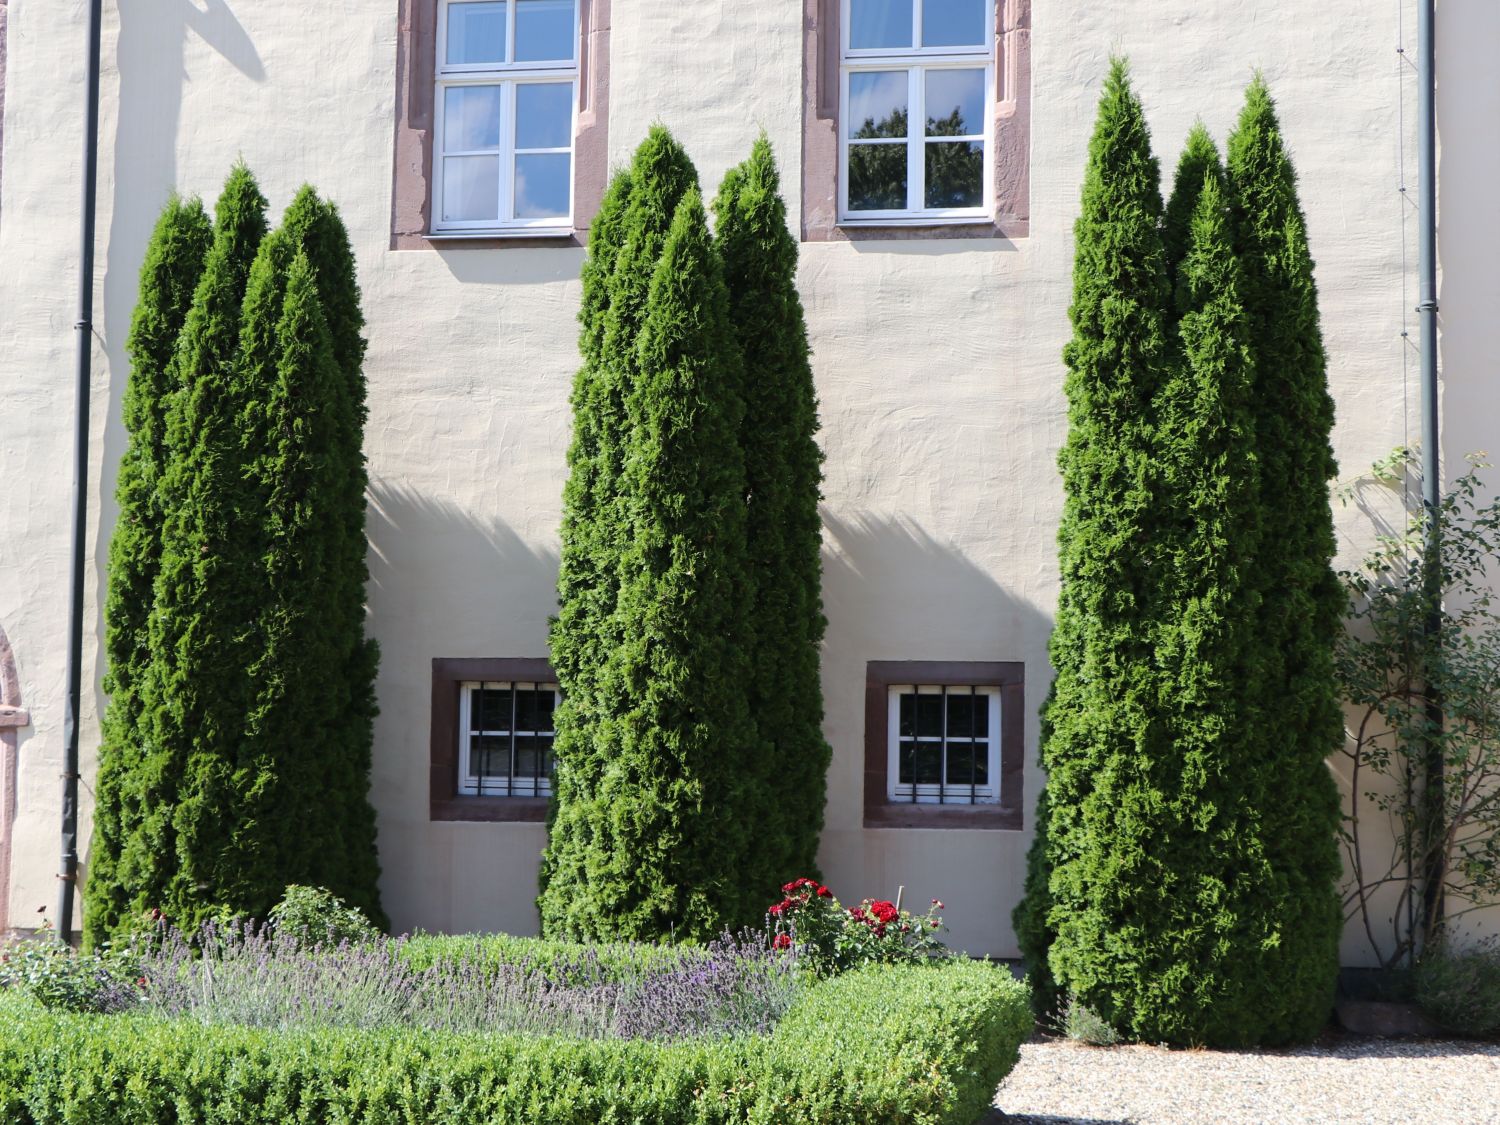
[782, 941]
[885, 911]
[937, 904]
[776, 909]
[824, 892]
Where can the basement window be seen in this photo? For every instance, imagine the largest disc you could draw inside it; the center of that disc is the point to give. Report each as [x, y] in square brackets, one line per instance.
[492, 737]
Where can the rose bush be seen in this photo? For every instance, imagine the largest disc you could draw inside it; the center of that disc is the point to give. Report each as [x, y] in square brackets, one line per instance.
[831, 938]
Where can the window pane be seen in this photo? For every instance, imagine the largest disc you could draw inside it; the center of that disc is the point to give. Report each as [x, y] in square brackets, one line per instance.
[490, 709]
[963, 756]
[955, 103]
[534, 709]
[471, 190]
[489, 757]
[955, 174]
[544, 30]
[960, 711]
[476, 33]
[953, 23]
[929, 716]
[544, 115]
[908, 715]
[532, 756]
[927, 762]
[877, 104]
[471, 118]
[542, 183]
[880, 23]
[877, 177]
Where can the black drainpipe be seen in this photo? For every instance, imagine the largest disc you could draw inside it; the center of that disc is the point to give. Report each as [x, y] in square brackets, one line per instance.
[1432, 484]
[84, 326]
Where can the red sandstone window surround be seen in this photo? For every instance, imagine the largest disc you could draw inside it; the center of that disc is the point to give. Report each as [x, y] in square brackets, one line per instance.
[944, 744]
[491, 739]
[898, 176]
[425, 210]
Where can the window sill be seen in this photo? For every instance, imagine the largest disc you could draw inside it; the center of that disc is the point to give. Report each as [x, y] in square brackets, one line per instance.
[907, 815]
[499, 233]
[491, 810]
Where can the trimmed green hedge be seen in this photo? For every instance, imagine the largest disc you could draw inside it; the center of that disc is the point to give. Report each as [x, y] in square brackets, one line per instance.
[895, 1044]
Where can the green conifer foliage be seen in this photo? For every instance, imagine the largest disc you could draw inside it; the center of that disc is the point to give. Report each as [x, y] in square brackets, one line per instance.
[169, 277]
[1301, 603]
[1102, 714]
[193, 697]
[587, 581]
[1193, 918]
[626, 245]
[1200, 158]
[783, 473]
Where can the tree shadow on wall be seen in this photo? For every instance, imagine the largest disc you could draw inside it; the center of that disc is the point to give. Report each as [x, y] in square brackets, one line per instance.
[150, 56]
[894, 591]
[447, 583]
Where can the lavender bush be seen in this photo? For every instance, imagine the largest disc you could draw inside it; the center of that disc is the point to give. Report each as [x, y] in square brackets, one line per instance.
[261, 977]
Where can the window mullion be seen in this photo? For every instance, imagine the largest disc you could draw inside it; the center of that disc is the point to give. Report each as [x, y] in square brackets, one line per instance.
[916, 140]
[507, 183]
[916, 24]
[510, 31]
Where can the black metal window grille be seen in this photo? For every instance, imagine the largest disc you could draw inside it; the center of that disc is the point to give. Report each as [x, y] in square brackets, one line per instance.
[507, 734]
[946, 743]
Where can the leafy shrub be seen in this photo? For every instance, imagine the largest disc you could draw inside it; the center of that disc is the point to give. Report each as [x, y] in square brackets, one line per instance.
[57, 976]
[1460, 988]
[925, 1045]
[315, 916]
[833, 939]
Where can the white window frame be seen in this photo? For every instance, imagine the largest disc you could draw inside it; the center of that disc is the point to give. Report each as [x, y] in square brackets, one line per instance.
[507, 76]
[917, 61]
[468, 780]
[928, 794]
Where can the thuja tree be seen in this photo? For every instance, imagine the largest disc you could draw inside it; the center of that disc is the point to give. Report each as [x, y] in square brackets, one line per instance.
[626, 245]
[169, 278]
[1301, 603]
[783, 473]
[296, 809]
[1200, 906]
[193, 692]
[587, 582]
[1199, 162]
[1101, 716]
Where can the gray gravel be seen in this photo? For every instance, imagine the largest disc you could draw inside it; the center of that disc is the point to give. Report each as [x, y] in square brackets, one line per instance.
[1342, 1080]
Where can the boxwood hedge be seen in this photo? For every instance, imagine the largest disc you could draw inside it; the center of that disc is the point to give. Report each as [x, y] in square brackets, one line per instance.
[925, 1044]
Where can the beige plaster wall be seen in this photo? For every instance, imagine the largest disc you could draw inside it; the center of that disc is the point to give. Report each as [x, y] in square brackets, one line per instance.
[937, 363]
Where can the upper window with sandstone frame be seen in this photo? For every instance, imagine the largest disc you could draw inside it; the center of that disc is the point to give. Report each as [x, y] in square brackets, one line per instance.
[504, 121]
[916, 109]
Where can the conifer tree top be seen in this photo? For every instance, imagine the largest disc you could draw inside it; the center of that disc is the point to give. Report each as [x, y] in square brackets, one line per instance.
[1200, 158]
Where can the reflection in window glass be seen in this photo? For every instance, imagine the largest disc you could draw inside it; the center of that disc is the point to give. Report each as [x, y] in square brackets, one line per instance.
[877, 104]
[476, 33]
[877, 177]
[544, 115]
[955, 174]
[955, 103]
[471, 188]
[471, 118]
[953, 23]
[542, 181]
[544, 30]
[880, 23]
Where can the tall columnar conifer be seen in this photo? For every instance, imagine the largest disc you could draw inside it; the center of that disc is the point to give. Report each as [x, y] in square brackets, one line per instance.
[587, 582]
[1192, 921]
[1301, 605]
[783, 474]
[169, 278]
[1102, 721]
[625, 249]
[676, 781]
[193, 695]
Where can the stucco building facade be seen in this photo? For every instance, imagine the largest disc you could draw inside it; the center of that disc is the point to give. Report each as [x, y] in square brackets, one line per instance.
[936, 345]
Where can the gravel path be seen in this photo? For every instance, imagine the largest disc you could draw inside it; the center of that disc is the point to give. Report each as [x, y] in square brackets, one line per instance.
[1341, 1080]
